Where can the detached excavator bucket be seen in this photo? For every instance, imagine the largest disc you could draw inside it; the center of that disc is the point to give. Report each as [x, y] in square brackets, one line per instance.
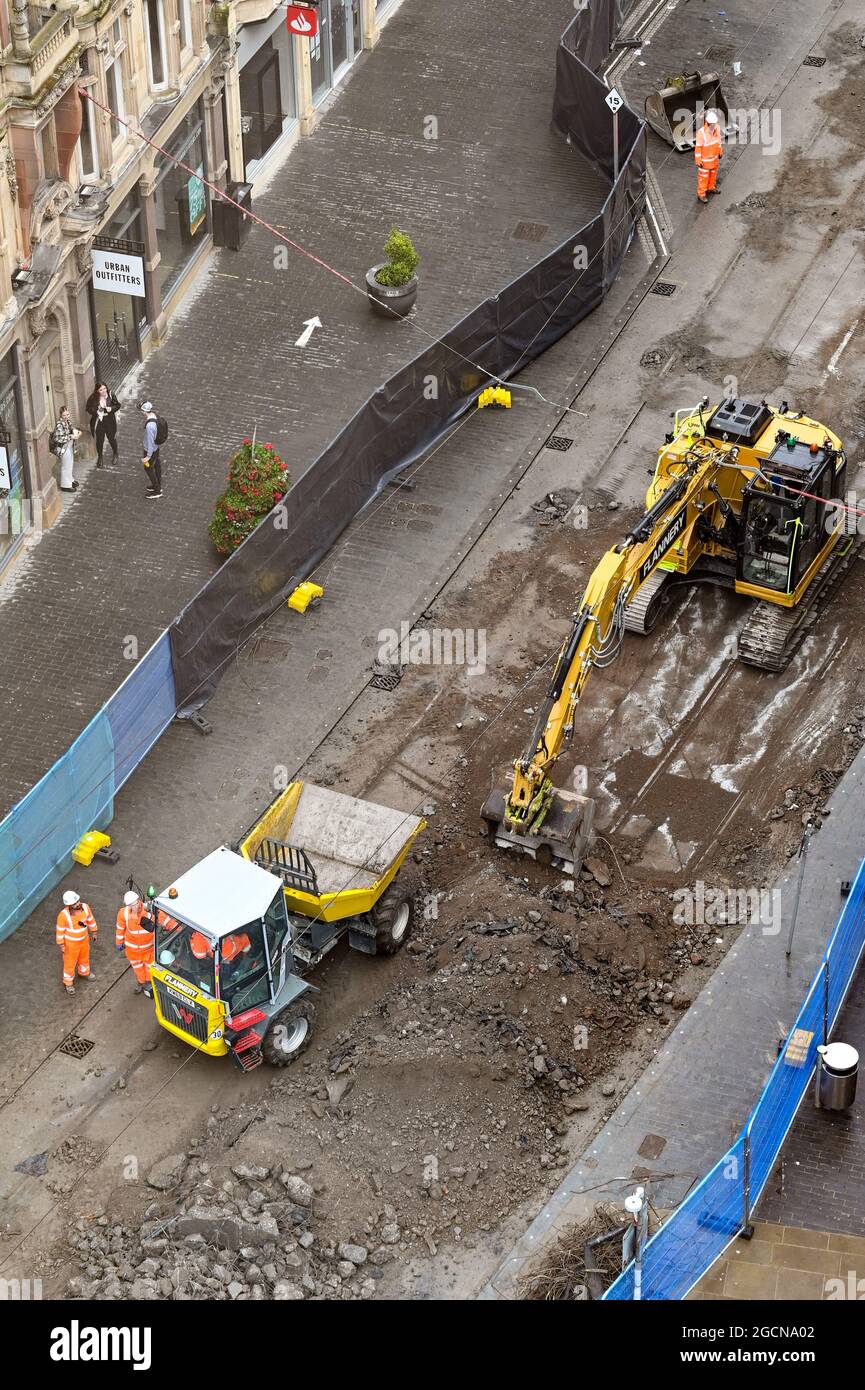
[676, 111]
[562, 839]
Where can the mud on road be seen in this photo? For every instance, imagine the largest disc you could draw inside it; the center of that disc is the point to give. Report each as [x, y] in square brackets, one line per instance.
[447, 1087]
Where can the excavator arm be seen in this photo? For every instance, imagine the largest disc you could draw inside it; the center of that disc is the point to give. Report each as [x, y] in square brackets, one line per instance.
[531, 813]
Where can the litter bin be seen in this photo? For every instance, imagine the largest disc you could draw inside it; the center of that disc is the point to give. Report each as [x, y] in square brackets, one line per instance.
[230, 227]
[839, 1068]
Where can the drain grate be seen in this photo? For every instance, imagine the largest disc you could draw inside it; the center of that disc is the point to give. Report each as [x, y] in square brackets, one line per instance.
[529, 231]
[664, 287]
[74, 1046]
[386, 680]
[813, 61]
[560, 442]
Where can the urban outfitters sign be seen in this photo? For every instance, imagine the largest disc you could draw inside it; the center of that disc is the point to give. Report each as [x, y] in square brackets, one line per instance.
[118, 273]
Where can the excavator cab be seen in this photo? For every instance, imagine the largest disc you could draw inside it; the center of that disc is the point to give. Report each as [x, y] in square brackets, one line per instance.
[786, 524]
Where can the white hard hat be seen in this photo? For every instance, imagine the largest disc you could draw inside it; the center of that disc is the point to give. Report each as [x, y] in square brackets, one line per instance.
[712, 117]
[70, 898]
[130, 898]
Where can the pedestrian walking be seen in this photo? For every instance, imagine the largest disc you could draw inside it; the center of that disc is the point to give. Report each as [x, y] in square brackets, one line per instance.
[62, 445]
[102, 407]
[76, 928]
[708, 153]
[155, 435]
[135, 937]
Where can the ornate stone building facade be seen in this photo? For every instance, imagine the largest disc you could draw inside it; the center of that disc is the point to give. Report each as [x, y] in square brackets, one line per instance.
[100, 232]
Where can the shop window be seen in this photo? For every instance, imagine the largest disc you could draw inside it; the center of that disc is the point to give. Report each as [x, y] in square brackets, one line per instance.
[14, 514]
[154, 25]
[182, 204]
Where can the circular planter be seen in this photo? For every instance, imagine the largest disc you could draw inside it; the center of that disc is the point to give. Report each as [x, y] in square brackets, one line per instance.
[390, 300]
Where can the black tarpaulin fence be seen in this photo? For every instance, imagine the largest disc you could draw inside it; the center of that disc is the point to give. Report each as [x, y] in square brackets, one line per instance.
[399, 422]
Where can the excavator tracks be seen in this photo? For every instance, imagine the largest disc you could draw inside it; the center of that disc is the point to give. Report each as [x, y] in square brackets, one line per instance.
[644, 610]
[772, 634]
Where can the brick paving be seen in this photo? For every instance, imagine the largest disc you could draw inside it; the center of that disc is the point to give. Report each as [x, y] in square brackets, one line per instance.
[785, 1263]
[117, 566]
[820, 1182]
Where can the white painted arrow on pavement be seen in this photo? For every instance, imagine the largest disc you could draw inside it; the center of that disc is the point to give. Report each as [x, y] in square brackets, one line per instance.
[310, 326]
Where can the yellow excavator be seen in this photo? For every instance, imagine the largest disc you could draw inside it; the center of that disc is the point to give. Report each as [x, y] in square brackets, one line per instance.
[742, 495]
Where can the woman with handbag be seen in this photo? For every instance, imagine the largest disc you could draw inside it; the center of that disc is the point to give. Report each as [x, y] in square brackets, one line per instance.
[102, 407]
[62, 444]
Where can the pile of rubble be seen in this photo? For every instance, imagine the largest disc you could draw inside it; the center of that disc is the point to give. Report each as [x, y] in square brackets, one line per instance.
[248, 1236]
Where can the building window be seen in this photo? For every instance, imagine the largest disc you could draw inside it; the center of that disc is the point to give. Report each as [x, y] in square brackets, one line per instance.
[88, 159]
[185, 25]
[154, 22]
[114, 82]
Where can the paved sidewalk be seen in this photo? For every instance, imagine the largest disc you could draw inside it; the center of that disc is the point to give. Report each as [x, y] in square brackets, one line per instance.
[117, 566]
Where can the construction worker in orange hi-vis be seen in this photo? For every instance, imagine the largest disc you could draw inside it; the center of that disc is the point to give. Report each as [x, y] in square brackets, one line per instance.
[708, 153]
[135, 936]
[76, 925]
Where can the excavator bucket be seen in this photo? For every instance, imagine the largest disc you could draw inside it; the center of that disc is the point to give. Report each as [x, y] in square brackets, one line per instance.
[561, 841]
[676, 111]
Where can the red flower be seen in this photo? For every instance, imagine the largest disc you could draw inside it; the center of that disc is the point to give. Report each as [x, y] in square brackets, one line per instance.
[268, 446]
[247, 441]
[278, 496]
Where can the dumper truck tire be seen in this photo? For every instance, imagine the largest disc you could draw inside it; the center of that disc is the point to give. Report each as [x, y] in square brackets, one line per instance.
[392, 917]
[289, 1033]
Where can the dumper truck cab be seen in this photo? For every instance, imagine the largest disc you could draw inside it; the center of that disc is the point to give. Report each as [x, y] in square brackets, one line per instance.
[237, 932]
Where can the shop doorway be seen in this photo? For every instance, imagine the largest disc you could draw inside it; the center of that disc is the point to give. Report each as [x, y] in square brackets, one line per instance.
[336, 45]
[52, 383]
[115, 335]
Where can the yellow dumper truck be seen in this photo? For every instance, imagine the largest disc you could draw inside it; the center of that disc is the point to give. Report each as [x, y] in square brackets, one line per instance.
[236, 933]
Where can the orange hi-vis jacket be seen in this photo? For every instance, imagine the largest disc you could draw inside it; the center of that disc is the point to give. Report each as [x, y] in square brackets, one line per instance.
[131, 933]
[73, 924]
[237, 944]
[709, 146]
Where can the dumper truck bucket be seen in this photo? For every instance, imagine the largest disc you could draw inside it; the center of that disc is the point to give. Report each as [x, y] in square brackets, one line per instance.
[676, 111]
[336, 855]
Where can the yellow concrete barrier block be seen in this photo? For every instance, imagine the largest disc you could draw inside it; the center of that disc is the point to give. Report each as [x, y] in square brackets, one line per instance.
[304, 595]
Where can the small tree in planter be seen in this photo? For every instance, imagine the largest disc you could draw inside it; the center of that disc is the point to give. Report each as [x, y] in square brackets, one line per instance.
[392, 286]
[257, 479]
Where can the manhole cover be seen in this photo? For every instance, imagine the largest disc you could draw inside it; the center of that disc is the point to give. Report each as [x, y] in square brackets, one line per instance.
[529, 231]
[386, 680]
[75, 1046]
[664, 287]
[560, 442]
[813, 61]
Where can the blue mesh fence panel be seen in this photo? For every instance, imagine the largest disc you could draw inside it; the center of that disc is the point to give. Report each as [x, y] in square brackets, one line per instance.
[774, 1112]
[693, 1238]
[141, 709]
[38, 835]
[77, 793]
[845, 945]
